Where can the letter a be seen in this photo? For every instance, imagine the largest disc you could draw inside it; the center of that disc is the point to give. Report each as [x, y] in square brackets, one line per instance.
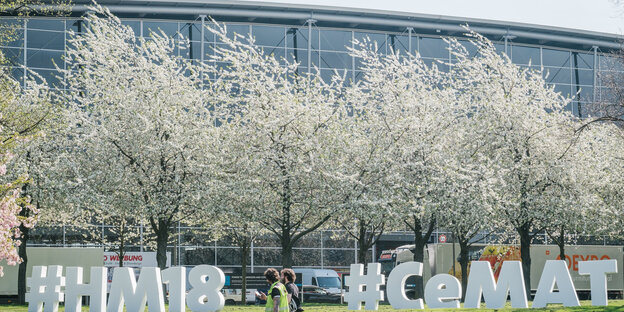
[555, 272]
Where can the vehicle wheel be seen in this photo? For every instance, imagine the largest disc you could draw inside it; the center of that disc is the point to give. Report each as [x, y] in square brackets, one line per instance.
[230, 301]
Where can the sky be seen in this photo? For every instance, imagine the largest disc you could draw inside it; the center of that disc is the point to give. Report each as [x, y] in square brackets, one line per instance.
[593, 15]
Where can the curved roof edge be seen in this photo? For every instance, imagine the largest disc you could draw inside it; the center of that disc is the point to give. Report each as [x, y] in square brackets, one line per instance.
[298, 14]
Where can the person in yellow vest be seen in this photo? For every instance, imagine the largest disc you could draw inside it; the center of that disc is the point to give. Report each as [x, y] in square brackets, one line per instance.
[277, 299]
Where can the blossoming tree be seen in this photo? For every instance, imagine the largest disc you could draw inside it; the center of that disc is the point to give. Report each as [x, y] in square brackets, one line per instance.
[524, 129]
[21, 118]
[139, 116]
[414, 114]
[284, 124]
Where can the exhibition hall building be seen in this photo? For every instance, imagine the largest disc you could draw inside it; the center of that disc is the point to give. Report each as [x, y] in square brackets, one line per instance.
[317, 35]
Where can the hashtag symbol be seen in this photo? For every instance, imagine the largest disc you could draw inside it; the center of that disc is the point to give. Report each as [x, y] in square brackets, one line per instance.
[356, 281]
[45, 288]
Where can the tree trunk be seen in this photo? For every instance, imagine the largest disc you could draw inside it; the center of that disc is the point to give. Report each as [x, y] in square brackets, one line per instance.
[420, 240]
[419, 256]
[287, 259]
[362, 243]
[121, 244]
[561, 244]
[245, 253]
[21, 275]
[463, 262]
[525, 255]
[162, 237]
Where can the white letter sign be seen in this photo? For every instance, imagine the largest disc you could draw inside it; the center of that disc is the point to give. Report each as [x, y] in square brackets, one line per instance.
[597, 271]
[356, 281]
[136, 294]
[396, 286]
[555, 272]
[175, 278]
[510, 280]
[438, 297]
[206, 281]
[206, 289]
[75, 289]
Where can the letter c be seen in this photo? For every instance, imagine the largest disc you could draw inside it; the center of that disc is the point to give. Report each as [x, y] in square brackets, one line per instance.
[396, 286]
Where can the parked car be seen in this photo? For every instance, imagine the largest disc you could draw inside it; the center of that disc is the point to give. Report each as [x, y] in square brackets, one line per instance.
[313, 293]
[234, 296]
[323, 278]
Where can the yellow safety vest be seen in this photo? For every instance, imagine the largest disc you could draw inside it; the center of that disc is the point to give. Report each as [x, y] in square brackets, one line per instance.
[283, 304]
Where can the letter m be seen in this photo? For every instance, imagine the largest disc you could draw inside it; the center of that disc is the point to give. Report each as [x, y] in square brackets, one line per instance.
[481, 281]
[125, 289]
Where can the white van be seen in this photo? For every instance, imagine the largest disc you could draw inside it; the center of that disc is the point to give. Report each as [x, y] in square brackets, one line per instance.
[326, 279]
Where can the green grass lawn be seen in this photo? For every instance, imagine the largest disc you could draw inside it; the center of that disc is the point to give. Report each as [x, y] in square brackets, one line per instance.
[614, 305]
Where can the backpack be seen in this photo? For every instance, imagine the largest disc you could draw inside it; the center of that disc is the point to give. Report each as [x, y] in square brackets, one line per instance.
[295, 303]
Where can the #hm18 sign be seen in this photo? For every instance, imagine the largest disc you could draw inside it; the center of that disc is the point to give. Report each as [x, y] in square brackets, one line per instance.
[48, 287]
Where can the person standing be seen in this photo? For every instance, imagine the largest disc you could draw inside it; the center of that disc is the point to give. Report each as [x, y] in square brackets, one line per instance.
[288, 278]
[277, 299]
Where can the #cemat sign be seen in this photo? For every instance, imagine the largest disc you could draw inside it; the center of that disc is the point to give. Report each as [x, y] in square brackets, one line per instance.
[48, 287]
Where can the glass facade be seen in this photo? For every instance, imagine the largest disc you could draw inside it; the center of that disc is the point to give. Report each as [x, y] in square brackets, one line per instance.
[39, 45]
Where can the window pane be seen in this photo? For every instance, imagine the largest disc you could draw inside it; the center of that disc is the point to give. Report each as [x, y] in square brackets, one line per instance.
[582, 60]
[555, 58]
[335, 60]
[77, 25]
[500, 48]
[269, 36]
[297, 56]
[315, 58]
[297, 38]
[135, 25]
[335, 40]
[525, 55]
[191, 31]
[236, 29]
[46, 24]
[398, 44]
[471, 48]
[583, 77]
[557, 74]
[169, 28]
[46, 40]
[433, 47]
[193, 51]
[373, 37]
[563, 89]
[358, 63]
[277, 52]
[50, 76]
[18, 74]
[44, 59]
[14, 56]
[327, 74]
